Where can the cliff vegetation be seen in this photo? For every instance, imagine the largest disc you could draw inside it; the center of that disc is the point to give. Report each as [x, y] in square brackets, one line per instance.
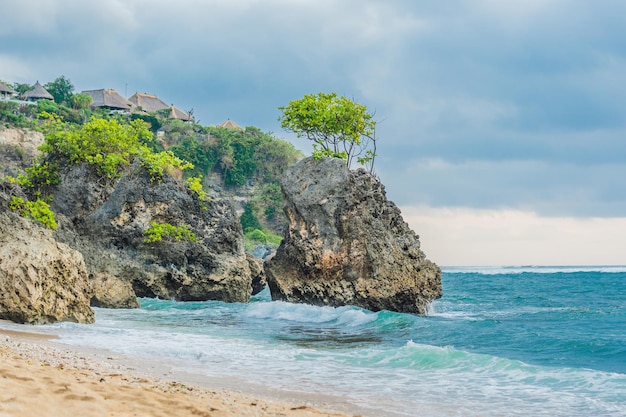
[243, 163]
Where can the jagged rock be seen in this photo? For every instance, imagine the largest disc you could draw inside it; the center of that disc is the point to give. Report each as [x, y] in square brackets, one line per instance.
[112, 292]
[264, 251]
[258, 274]
[106, 223]
[346, 244]
[18, 149]
[41, 280]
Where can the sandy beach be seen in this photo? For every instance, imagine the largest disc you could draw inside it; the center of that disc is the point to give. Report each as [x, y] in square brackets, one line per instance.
[39, 378]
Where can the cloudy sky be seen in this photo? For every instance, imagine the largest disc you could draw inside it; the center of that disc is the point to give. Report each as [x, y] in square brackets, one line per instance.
[501, 124]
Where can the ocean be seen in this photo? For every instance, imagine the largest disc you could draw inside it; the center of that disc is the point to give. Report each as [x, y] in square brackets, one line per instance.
[503, 341]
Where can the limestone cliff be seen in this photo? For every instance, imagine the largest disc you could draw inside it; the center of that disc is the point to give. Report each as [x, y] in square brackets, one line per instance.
[41, 280]
[18, 149]
[106, 223]
[347, 244]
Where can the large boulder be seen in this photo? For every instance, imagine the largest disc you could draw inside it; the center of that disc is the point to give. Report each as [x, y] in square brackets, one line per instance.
[41, 280]
[346, 244]
[106, 223]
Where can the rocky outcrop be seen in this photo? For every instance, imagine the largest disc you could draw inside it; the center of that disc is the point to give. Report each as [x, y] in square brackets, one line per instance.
[346, 244]
[41, 280]
[112, 292]
[258, 274]
[18, 149]
[106, 223]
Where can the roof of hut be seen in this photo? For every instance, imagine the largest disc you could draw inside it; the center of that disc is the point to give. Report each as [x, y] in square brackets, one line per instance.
[109, 98]
[151, 103]
[6, 88]
[229, 124]
[147, 102]
[37, 92]
[177, 113]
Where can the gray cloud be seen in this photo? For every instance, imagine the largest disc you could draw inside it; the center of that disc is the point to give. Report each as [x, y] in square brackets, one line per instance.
[521, 101]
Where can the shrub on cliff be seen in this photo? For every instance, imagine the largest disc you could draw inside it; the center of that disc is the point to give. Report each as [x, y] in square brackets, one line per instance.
[159, 231]
[107, 144]
[38, 210]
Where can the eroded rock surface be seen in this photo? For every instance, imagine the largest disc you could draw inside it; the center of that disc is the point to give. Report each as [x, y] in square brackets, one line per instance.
[112, 292]
[106, 223]
[346, 244]
[41, 280]
[18, 149]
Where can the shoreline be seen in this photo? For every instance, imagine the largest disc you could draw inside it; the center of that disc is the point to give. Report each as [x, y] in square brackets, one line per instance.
[35, 370]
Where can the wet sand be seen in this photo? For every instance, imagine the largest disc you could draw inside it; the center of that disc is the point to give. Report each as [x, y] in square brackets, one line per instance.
[39, 378]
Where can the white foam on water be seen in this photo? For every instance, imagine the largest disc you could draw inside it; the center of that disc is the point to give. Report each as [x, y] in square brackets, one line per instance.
[440, 381]
[304, 313]
[498, 270]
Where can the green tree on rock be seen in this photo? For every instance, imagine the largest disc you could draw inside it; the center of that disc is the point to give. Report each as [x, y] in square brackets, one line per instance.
[338, 126]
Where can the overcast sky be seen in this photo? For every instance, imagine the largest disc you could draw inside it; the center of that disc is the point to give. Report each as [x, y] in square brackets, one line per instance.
[502, 124]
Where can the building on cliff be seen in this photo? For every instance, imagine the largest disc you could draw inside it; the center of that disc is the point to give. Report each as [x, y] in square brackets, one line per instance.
[6, 92]
[229, 124]
[109, 99]
[151, 103]
[38, 92]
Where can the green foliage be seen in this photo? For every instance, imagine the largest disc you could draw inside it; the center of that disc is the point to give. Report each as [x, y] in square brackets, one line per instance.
[154, 122]
[243, 164]
[45, 106]
[238, 155]
[39, 176]
[259, 236]
[38, 210]
[157, 164]
[63, 112]
[80, 101]
[61, 89]
[22, 88]
[160, 231]
[248, 219]
[338, 126]
[269, 200]
[321, 153]
[108, 145]
[10, 114]
[201, 153]
[195, 186]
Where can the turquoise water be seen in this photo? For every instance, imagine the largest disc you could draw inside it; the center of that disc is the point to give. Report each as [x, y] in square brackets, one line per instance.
[502, 341]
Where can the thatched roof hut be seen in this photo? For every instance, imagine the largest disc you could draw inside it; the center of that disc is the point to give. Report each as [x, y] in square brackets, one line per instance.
[109, 99]
[229, 124]
[147, 102]
[151, 103]
[38, 92]
[178, 114]
[6, 92]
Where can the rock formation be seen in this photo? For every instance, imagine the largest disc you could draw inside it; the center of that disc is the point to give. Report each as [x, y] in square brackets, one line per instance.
[41, 280]
[106, 223]
[18, 149]
[346, 244]
[258, 274]
[112, 292]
